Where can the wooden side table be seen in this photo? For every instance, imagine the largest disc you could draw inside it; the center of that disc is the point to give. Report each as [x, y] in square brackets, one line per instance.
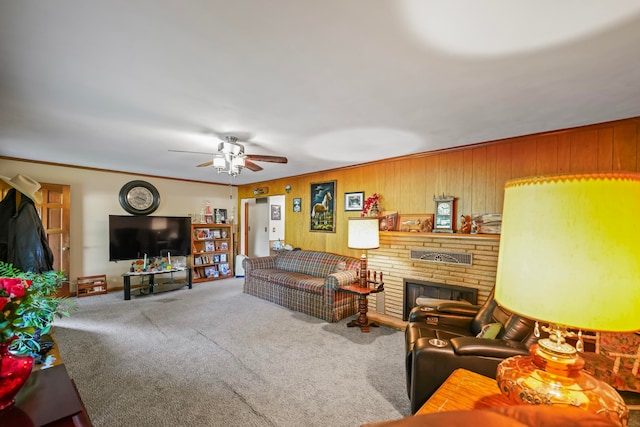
[362, 320]
[465, 390]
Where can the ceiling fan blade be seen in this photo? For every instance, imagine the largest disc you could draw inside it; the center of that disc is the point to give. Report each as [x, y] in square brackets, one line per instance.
[209, 163]
[190, 152]
[263, 158]
[252, 166]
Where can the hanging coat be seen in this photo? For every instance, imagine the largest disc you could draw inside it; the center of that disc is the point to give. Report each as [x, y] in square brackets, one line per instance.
[23, 241]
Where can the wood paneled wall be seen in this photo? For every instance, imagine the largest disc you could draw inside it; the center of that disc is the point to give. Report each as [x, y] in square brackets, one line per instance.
[475, 175]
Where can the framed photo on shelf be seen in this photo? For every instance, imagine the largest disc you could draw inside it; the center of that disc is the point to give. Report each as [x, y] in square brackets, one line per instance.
[216, 258]
[388, 221]
[224, 269]
[223, 257]
[224, 246]
[323, 204]
[201, 233]
[297, 204]
[220, 215]
[210, 271]
[354, 201]
[215, 234]
[208, 246]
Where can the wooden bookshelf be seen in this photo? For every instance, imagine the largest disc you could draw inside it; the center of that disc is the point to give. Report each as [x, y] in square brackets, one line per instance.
[91, 285]
[211, 251]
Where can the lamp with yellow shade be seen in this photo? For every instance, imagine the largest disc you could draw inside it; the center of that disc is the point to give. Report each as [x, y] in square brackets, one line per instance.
[570, 257]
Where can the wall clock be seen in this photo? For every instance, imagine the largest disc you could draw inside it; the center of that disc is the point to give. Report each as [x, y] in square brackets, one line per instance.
[443, 215]
[139, 198]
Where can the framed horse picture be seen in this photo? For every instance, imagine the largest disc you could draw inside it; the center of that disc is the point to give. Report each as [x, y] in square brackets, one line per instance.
[323, 204]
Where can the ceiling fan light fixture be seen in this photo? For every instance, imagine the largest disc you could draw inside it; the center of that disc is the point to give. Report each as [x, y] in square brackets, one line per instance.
[237, 162]
[219, 162]
[230, 148]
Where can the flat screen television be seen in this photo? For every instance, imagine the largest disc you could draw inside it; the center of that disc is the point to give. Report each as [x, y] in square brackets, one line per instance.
[130, 237]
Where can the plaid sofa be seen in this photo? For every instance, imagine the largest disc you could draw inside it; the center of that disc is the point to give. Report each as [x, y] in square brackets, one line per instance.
[304, 281]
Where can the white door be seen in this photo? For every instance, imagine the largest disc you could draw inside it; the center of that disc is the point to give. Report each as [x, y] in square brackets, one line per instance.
[258, 227]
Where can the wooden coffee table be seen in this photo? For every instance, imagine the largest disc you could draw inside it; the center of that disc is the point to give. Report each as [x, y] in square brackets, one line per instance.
[465, 390]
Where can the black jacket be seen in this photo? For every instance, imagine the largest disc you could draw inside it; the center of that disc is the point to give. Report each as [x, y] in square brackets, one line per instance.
[23, 241]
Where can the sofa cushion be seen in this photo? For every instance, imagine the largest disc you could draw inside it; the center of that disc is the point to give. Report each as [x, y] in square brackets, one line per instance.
[287, 278]
[264, 273]
[318, 264]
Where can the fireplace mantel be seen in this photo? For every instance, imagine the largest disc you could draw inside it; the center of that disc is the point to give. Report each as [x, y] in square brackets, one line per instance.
[393, 259]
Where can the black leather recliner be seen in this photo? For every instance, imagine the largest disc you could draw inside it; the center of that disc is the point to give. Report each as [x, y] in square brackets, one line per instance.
[428, 366]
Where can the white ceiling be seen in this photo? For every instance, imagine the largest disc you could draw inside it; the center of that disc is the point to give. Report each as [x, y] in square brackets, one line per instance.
[116, 84]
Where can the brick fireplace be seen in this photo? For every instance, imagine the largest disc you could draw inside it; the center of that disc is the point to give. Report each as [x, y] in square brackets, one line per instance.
[394, 258]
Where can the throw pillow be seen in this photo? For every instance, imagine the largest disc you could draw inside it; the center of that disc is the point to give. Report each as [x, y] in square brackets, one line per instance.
[490, 331]
[341, 266]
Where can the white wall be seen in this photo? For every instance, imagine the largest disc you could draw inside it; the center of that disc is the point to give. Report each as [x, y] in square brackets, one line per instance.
[94, 196]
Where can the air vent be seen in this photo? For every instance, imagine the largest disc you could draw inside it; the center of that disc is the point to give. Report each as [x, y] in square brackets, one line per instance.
[442, 257]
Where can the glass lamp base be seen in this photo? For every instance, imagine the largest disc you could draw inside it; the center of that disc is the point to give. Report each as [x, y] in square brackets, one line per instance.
[539, 381]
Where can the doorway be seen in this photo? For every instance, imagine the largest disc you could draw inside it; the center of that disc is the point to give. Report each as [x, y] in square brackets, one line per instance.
[257, 227]
[54, 213]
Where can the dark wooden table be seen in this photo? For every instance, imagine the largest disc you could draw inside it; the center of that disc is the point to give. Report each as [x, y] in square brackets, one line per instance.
[362, 321]
[48, 398]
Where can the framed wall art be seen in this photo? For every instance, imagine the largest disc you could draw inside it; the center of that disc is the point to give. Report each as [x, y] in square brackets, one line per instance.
[297, 204]
[276, 214]
[323, 203]
[354, 201]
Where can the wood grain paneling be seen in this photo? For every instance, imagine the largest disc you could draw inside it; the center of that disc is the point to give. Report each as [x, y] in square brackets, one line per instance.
[475, 176]
[625, 153]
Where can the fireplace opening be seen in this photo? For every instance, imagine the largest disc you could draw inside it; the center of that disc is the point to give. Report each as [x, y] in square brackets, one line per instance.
[413, 289]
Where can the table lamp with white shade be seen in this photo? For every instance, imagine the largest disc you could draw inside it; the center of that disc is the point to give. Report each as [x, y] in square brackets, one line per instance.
[363, 234]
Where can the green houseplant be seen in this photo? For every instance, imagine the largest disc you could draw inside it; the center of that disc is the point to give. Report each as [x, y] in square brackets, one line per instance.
[28, 307]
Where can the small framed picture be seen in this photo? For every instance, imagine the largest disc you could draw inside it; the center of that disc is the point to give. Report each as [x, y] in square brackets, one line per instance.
[208, 246]
[224, 246]
[354, 201]
[224, 269]
[297, 204]
[276, 214]
[215, 234]
[220, 216]
[210, 272]
[223, 257]
[216, 258]
[201, 233]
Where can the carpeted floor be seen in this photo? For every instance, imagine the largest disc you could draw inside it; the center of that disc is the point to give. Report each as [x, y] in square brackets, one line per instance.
[213, 356]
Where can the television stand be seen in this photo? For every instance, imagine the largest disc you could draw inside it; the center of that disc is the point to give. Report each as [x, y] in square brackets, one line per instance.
[151, 275]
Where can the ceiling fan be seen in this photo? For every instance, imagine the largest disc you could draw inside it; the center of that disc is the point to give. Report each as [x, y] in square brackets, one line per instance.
[231, 158]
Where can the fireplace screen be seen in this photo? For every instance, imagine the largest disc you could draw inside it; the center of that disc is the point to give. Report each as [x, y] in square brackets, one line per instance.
[418, 288]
